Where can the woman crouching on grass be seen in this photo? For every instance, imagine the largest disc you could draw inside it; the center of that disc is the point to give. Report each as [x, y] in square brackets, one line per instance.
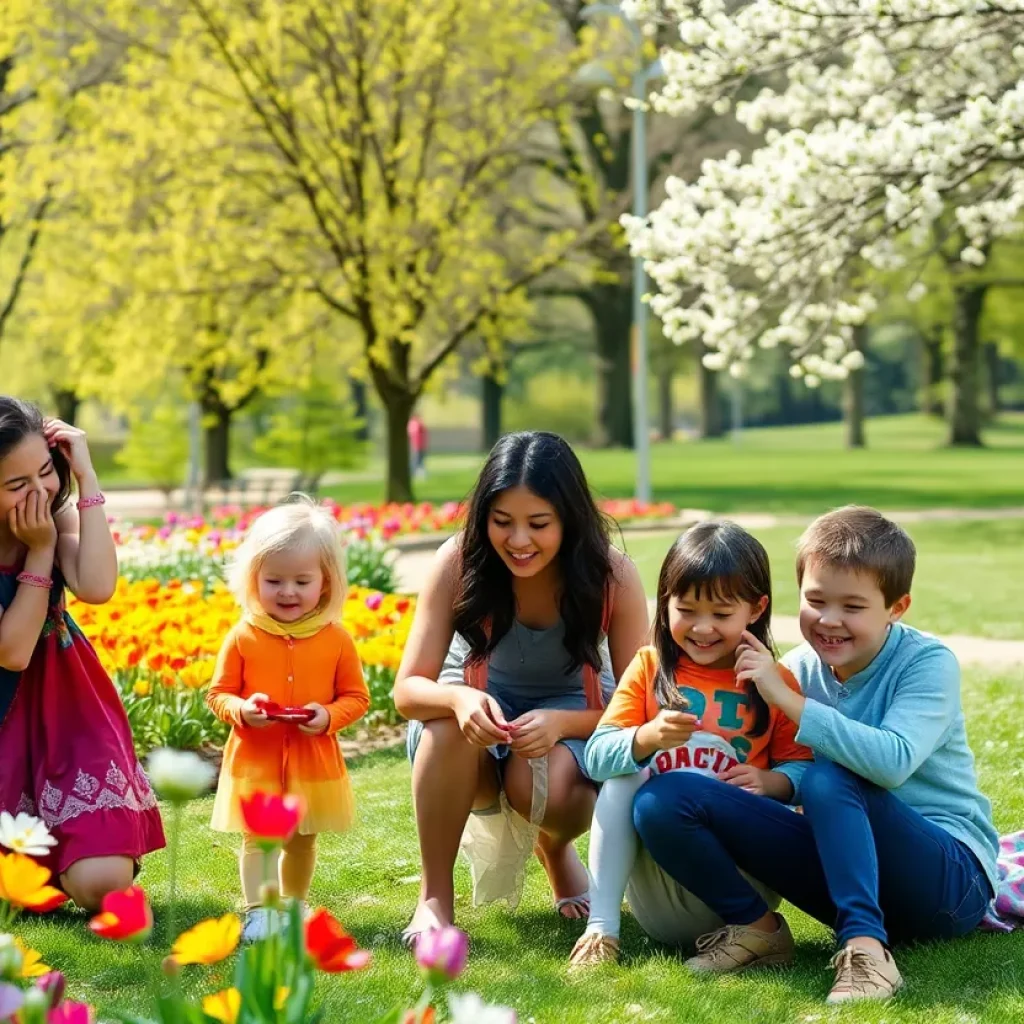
[529, 615]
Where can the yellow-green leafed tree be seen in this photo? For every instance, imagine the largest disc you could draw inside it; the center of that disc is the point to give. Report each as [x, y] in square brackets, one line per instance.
[49, 57]
[379, 146]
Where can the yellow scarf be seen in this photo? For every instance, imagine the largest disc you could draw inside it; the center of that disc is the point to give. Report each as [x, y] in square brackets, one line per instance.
[309, 625]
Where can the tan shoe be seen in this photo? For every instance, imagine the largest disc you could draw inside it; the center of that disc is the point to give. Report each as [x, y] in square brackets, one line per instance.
[862, 975]
[738, 947]
[592, 949]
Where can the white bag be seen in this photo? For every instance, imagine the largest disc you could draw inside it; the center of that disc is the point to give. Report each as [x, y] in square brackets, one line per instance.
[498, 843]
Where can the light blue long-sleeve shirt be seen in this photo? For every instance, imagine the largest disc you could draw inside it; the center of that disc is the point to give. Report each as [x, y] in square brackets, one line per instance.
[899, 723]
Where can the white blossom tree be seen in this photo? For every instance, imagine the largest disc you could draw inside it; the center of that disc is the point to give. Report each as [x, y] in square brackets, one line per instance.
[894, 132]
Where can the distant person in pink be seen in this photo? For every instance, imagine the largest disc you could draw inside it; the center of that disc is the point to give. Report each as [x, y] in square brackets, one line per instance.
[417, 446]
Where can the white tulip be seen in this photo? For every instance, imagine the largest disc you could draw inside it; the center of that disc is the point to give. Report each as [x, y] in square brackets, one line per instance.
[179, 775]
[23, 833]
[471, 1009]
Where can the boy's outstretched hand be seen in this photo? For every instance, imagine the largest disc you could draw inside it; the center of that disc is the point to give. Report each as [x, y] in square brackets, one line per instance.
[755, 663]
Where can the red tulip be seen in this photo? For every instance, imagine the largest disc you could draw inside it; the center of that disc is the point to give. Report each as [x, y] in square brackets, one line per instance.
[124, 916]
[333, 950]
[272, 816]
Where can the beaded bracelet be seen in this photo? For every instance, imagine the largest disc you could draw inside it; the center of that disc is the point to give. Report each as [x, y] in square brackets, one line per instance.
[96, 499]
[30, 579]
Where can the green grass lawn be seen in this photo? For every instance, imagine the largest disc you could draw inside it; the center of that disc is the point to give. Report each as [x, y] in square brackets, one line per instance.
[967, 581]
[787, 469]
[369, 879]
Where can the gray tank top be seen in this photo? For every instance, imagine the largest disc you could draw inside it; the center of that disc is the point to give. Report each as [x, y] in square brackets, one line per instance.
[529, 665]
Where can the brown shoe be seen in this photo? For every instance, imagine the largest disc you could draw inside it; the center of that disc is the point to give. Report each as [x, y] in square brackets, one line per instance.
[592, 949]
[862, 975]
[738, 947]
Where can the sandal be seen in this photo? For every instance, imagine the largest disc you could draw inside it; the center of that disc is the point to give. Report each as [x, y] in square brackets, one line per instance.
[592, 950]
[580, 903]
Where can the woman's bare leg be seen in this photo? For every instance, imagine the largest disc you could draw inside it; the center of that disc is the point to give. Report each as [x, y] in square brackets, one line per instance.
[450, 777]
[570, 808]
[88, 880]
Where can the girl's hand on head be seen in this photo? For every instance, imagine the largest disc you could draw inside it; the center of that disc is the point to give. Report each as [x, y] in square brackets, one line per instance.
[252, 711]
[72, 443]
[480, 717]
[756, 664]
[535, 733]
[746, 777]
[318, 723]
[31, 521]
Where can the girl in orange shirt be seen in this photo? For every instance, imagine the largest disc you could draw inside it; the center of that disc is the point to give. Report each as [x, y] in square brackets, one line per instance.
[679, 707]
[288, 651]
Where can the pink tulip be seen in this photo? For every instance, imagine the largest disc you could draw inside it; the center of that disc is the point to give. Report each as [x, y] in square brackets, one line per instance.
[70, 1013]
[374, 601]
[443, 951]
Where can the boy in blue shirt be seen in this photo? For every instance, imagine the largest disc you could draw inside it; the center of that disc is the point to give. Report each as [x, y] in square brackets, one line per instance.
[896, 842]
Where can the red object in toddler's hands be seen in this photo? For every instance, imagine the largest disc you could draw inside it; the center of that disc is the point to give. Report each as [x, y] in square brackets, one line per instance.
[293, 715]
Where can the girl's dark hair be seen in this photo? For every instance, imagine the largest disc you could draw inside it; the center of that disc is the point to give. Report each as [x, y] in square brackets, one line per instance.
[720, 560]
[485, 605]
[19, 420]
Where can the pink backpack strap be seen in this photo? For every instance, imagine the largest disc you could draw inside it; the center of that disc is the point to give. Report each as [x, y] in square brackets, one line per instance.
[475, 674]
[591, 677]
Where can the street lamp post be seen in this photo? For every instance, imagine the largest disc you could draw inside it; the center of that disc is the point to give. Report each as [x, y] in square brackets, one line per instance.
[642, 78]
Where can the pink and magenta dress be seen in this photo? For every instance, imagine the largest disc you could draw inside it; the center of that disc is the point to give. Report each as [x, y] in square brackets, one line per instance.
[66, 750]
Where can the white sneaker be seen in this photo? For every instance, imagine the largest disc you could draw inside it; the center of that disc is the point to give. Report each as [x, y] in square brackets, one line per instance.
[257, 925]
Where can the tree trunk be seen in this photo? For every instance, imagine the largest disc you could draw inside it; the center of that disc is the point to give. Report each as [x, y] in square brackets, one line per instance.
[931, 341]
[853, 395]
[993, 367]
[492, 394]
[398, 404]
[666, 414]
[789, 410]
[67, 402]
[964, 406]
[610, 305]
[711, 424]
[362, 408]
[216, 441]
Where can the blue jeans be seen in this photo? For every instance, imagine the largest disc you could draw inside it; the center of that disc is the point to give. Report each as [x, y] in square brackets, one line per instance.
[858, 859]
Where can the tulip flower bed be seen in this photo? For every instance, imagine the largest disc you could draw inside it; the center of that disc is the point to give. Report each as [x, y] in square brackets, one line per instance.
[225, 523]
[159, 642]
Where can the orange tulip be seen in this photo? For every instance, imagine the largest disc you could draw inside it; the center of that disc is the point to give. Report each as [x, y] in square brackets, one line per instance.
[23, 883]
[273, 817]
[333, 950]
[125, 916]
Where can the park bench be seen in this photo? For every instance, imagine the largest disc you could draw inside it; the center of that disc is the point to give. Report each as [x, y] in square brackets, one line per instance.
[257, 487]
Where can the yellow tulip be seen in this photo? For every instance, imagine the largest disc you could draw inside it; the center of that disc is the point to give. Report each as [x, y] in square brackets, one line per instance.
[32, 965]
[23, 883]
[141, 688]
[223, 1006]
[208, 942]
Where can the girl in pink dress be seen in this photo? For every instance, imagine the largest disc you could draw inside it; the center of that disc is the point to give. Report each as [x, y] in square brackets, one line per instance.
[66, 751]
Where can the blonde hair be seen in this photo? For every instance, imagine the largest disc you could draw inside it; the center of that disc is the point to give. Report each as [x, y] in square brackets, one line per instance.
[298, 524]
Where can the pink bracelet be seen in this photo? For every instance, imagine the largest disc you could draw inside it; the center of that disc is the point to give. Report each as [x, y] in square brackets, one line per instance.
[96, 499]
[35, 581]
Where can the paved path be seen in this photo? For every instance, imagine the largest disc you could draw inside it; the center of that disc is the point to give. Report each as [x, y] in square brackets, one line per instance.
[970, 650]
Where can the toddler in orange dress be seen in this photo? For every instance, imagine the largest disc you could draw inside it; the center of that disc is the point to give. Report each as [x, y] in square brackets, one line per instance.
[289, 650]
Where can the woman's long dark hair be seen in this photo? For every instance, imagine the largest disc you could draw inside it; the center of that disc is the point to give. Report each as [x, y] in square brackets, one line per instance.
[485, 606]
[721, 560]
[19, 420]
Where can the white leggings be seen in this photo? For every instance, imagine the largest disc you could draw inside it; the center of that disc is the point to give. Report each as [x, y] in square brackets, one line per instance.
[619, 866]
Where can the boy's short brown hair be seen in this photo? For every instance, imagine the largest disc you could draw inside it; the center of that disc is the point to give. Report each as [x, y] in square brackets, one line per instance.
[860, 539]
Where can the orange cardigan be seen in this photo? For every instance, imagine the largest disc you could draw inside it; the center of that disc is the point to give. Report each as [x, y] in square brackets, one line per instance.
[322, 669]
